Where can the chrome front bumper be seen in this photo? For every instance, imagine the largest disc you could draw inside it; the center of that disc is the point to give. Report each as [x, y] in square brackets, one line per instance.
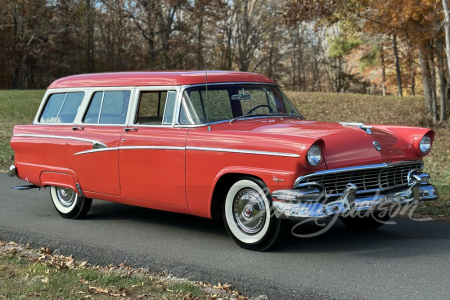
[312, 202]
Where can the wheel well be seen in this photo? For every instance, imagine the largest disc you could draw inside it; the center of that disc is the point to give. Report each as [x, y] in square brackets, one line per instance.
[221, 189]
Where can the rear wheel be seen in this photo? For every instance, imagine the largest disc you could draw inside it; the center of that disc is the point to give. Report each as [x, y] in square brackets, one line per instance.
[248, 219]
[68, 203]
[371, 222]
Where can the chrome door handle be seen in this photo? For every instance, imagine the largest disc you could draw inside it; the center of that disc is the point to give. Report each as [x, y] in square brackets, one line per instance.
[77, 128]
[130, 129]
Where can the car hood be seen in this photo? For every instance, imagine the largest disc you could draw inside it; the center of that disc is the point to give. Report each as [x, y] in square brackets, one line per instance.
[345, 145]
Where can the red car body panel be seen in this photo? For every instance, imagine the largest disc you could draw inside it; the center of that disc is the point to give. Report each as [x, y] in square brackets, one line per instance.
[156, 175]
[99, 171]
[177, 168]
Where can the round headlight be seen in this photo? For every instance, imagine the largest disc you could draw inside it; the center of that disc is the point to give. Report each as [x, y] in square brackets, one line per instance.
[314, 155]
[425, 144]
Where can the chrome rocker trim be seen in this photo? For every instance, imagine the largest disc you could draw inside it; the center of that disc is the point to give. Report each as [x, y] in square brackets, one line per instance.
[306, 202]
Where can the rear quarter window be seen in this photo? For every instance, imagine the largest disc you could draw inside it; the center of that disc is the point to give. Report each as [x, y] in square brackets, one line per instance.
[62, 107]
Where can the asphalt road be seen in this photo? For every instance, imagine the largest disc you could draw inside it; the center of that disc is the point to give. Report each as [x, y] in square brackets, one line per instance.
[409, 260]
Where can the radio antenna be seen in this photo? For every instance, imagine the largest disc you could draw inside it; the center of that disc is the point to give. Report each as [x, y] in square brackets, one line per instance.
[206, 93]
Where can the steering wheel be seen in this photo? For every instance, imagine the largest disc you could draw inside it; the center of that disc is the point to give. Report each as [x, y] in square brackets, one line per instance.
[259, 106]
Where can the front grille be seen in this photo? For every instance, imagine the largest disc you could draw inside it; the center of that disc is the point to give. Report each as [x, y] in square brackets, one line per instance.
[383, 177]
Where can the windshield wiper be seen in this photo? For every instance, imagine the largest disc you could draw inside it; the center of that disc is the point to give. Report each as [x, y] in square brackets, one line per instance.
[267, 115]
[248, 115]
[287, 115]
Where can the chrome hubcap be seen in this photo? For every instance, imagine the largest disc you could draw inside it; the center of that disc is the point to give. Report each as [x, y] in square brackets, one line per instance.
[65, 196]
[249, 211]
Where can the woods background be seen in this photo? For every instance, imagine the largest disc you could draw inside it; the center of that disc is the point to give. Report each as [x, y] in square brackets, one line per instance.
[395, 47]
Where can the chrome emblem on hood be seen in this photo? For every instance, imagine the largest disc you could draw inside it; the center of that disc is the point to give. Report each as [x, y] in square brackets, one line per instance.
[377, 146]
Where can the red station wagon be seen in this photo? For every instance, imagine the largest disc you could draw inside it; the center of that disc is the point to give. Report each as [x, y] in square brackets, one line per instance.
[227, 145]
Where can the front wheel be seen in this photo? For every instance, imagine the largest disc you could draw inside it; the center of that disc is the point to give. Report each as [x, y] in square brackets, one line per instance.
[68, 203]
[248, 219]
[370, 222]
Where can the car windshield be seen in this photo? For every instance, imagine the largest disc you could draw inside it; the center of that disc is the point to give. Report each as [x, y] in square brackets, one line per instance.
[226, 102]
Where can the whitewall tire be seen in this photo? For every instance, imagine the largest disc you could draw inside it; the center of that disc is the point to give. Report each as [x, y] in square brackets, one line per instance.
[248, 218]
[68, 203]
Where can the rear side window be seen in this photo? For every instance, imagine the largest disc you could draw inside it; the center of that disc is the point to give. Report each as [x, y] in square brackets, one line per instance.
[109, 107]
[62, 108]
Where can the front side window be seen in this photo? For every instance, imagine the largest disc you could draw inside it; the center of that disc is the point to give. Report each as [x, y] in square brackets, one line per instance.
[156, 108]
[62, 108]
[224, 102]
[108, 107]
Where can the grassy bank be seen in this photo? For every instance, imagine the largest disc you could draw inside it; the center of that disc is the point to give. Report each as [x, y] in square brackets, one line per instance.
[19, 107]
[26, 273]
[16, 107]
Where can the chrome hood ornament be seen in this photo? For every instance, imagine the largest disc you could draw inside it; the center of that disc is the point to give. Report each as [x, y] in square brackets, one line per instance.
[366, 128]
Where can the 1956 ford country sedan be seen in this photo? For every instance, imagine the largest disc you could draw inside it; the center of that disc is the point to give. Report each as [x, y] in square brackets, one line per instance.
[229, 144]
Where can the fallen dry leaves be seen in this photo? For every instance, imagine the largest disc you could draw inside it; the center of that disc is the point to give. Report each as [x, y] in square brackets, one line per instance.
[162, 280]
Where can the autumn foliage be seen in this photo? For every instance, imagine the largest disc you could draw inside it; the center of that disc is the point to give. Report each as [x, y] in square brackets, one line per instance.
[358, 46]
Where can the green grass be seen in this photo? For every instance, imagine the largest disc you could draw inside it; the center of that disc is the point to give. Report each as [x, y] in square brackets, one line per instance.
[16, 107]
[21, 278]
[19, 107]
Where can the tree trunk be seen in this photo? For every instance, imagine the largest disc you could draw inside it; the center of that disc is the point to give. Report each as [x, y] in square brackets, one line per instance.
[383, 74]
[90, 36]
[294, 54]
[442, 79]
[397, 66]
[426, 77]
[413, 83]
[447, 32]
[433, 81]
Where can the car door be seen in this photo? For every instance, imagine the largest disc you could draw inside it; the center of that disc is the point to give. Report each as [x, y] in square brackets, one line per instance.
[152, 151]
[94, 140]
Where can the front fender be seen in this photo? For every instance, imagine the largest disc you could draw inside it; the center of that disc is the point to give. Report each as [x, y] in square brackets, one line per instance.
[274, 179]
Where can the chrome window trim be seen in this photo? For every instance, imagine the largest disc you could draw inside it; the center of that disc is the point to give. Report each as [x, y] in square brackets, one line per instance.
[357, 168]
[184, 87]
[150, 126]
[243, 151]
[88, 92]
[100, 110]
[174, 107]
[136, 97]
[60, 109]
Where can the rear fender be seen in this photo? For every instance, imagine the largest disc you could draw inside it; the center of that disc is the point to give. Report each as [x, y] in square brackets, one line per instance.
[59, 179]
